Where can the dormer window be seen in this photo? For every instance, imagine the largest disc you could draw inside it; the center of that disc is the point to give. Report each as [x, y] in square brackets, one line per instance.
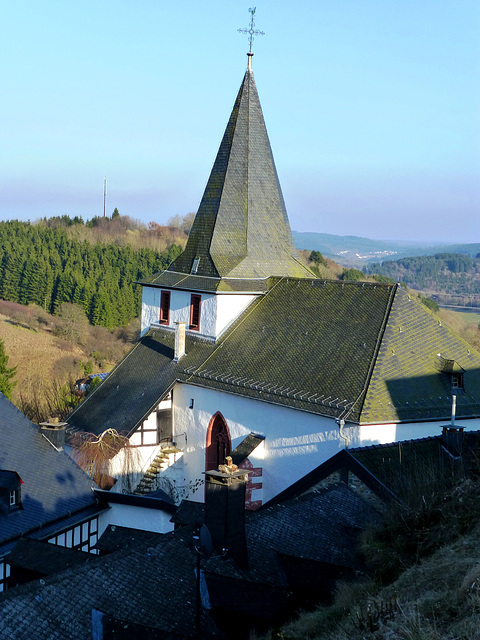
[10, 491]
[195, 312]
[165, 307]
[196, 262]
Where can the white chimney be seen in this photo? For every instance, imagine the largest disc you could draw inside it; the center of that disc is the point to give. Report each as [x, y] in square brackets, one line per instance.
[179, 340]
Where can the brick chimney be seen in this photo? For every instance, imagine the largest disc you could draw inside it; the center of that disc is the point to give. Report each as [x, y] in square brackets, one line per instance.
[54, 432]
[225, 512]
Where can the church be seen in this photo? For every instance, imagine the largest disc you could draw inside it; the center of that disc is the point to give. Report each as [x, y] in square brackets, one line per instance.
[246, 353]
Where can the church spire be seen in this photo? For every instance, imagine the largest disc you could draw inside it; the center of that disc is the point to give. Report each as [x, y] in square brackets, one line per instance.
[241, 229]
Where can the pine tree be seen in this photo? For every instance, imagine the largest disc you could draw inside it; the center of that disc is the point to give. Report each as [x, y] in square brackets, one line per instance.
[6, 374]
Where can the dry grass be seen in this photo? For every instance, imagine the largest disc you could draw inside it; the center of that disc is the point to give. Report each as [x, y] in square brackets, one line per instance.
[47, 364]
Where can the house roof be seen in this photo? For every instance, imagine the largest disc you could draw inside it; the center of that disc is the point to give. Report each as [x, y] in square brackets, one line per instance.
[390, 469]
[123, 584]
[241, 229]
[54, 488]
[365, 352]
[159, 568]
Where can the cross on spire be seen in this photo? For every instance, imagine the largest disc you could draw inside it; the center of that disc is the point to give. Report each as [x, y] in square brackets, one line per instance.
[252, 31]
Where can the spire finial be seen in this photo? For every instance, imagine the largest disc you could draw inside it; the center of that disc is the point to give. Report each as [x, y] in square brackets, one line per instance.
[251, 33]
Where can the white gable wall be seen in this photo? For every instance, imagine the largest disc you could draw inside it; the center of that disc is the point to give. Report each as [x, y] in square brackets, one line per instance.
[217, 311]
[296, 442]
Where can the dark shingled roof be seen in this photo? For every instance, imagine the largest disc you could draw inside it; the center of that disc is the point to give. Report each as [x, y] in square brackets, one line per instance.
[241, 229]
[54, 488]
[159, 569]
[363, 352]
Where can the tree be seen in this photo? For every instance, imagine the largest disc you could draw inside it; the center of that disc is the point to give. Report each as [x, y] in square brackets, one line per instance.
[6, 374]
[73, 324]
[317, 258]
[115, 214]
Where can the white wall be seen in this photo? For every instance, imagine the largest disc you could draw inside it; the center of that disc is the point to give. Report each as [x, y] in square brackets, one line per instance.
[217, 311]
[126, 515]
[386, 433]
[296, 441]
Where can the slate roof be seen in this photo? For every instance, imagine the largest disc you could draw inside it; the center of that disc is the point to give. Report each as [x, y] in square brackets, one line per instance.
[153, 585]
[241, 229]
[54, 490]
[365, 352]
[408, 382]
[158, 568]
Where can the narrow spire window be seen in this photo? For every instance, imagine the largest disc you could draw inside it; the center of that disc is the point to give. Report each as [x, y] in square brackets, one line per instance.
[195, 312]
[165, 307]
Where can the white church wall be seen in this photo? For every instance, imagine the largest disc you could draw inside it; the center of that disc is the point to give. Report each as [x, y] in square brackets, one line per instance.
[217, 311]
[229, 307]
[296, 442]
[387, 433]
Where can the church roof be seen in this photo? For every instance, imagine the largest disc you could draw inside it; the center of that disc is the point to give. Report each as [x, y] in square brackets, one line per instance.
[241, 229]
[364, 352]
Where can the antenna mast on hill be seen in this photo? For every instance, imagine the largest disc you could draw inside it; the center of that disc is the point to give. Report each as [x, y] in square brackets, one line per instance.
[105, 197]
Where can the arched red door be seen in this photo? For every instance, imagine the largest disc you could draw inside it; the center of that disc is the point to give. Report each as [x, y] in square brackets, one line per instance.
[219, 445]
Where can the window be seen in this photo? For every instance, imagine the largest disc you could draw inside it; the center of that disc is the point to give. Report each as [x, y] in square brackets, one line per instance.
[457, 381]
[13, 498]
[195, 312]
[165, 307]
[83, 537]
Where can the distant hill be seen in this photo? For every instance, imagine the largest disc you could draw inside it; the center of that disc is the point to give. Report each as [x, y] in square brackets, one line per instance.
[449, 278]
[357, 251]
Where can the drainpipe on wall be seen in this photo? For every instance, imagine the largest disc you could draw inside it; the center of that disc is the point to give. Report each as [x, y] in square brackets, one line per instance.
[341, 424]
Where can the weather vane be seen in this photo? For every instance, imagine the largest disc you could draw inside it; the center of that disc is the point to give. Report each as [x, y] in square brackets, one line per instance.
[252, 31]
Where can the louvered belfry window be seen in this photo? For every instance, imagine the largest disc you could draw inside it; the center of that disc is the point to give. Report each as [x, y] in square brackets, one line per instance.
[165, 307]
[195, 312]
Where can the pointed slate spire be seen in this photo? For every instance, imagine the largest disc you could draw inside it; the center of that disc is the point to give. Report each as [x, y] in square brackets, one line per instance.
[241, 229]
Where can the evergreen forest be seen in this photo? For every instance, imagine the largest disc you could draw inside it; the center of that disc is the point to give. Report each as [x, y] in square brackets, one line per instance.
[45, 265]
[453, 277]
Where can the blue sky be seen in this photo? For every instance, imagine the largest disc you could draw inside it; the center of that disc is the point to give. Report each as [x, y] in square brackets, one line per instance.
[372, 108]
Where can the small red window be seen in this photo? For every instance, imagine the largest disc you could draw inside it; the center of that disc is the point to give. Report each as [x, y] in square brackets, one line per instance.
[165, 307]
[195, 312]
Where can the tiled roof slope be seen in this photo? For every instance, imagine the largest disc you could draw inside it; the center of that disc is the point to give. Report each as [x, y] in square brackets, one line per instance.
[152, 585]
[326, 347]
[136, 385]
[54, 487]
[307, 344]
[241, 228]
[407, 382]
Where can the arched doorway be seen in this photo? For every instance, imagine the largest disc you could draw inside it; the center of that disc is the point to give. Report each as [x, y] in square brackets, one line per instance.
[219, 445]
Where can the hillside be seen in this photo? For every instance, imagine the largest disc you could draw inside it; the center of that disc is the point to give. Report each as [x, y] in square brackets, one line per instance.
[50, 356]
[449, 278]
[53, 262]
[355, 251]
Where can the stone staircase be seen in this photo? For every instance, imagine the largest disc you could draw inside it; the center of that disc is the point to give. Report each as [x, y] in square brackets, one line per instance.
[161, 462]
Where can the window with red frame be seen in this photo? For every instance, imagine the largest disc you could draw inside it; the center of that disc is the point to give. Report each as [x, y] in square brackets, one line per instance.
[195, 312]
[165, 307]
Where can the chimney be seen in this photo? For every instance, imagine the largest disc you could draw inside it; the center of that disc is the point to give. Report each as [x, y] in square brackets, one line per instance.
[179, 340]
[54, 432]
[225, 511]
[454, 410]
